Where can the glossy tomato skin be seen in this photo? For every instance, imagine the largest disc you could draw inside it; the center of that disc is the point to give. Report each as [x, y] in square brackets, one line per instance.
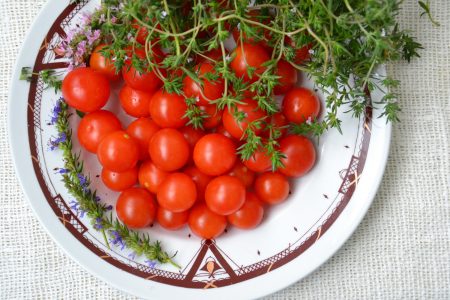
[150, 176]
[209, 90]
[103, 65]
[213, 116]
[142, 130]
[252, 113]
[119, 181]
[147, 81]
[169, 150]
[244, 174]
[136, 208]
[205, 223]
[300, 104]
[214, 154]
[272, 188]
[118, 151]
[300, 155]
[168, 110]
[288, 77]
[85, 90]
[249, 215]
[177, 192]
[259, 162]
[225, 195]
[200, 179]
[249, 55]
[95, 126]
[170, 220]
[135, 102]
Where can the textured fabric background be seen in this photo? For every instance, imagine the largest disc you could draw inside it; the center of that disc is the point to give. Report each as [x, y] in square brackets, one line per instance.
[400, 251]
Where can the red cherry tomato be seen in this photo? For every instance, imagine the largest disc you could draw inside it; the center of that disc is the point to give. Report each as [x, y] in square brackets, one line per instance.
[192, 135]
[249, 215]
[177, 192]
[169, 150]
[288, 77]
[85, 90]
[208, 90]
[213, 116]
[251, 112]
[118, 151]
[214, 154]
[279, 122]
[170, 220]
[272, 188]
[300, 104]
[225, 195]
[147, 81]
[136, 208]
[135, 102]
[142, 130]
[94, 127]
[221, 130]
[301, 53]
[150, 176]
[259, 162]
[244, 174]
[168, 110]
[119, 181]
[103, 65]
[249, 55]
[205, 223]
[299, 153]
[200, 179]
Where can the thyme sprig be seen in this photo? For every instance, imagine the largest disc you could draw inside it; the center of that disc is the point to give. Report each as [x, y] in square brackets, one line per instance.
[78, 186]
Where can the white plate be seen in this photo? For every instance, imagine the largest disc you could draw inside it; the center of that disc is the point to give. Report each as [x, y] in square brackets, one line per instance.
[295, 238]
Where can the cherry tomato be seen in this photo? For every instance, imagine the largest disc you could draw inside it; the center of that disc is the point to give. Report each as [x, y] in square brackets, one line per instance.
[259, 162]
[225, 195]
[94, 127]
[300, 104]
[168, 110]
[249, 215]
[272, 188]
[249, 55]
[221, 130]
[135, 102]
[177, 192]
[119, 181]
[192, 135]
[213, 116]
[136, 208]
[251, 112]
[208, 90]
[147, 81]
[103, 65]
[301, 53]
[244, 174]
[150, 176]
[200, 179]
[205, 223]
[170, 220]
[279, 123]
[299, 153]
[118, 151]
[214, 154]
[85, 90]
[288, 77]
[169, 150]
[142, 130]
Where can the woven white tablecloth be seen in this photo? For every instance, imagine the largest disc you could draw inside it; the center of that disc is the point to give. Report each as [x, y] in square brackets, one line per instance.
[400, 251]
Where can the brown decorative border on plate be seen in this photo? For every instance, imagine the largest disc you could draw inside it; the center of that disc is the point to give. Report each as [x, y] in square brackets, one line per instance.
[213, 265]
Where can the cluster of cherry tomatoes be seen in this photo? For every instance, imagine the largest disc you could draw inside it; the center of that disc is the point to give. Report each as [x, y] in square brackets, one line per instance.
[173, 174]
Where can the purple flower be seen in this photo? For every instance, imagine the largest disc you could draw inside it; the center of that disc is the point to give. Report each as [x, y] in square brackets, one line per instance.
[109, 207]
[102, 18]
[132, 255]
[74, 205]
[85, 18]
[81, 49]
[93, 36]
[63, 171]
[116, 239]
[113, 20]
[151, 263]
[83, 180]
[98, 225]
[56, 110]
[54, 143]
